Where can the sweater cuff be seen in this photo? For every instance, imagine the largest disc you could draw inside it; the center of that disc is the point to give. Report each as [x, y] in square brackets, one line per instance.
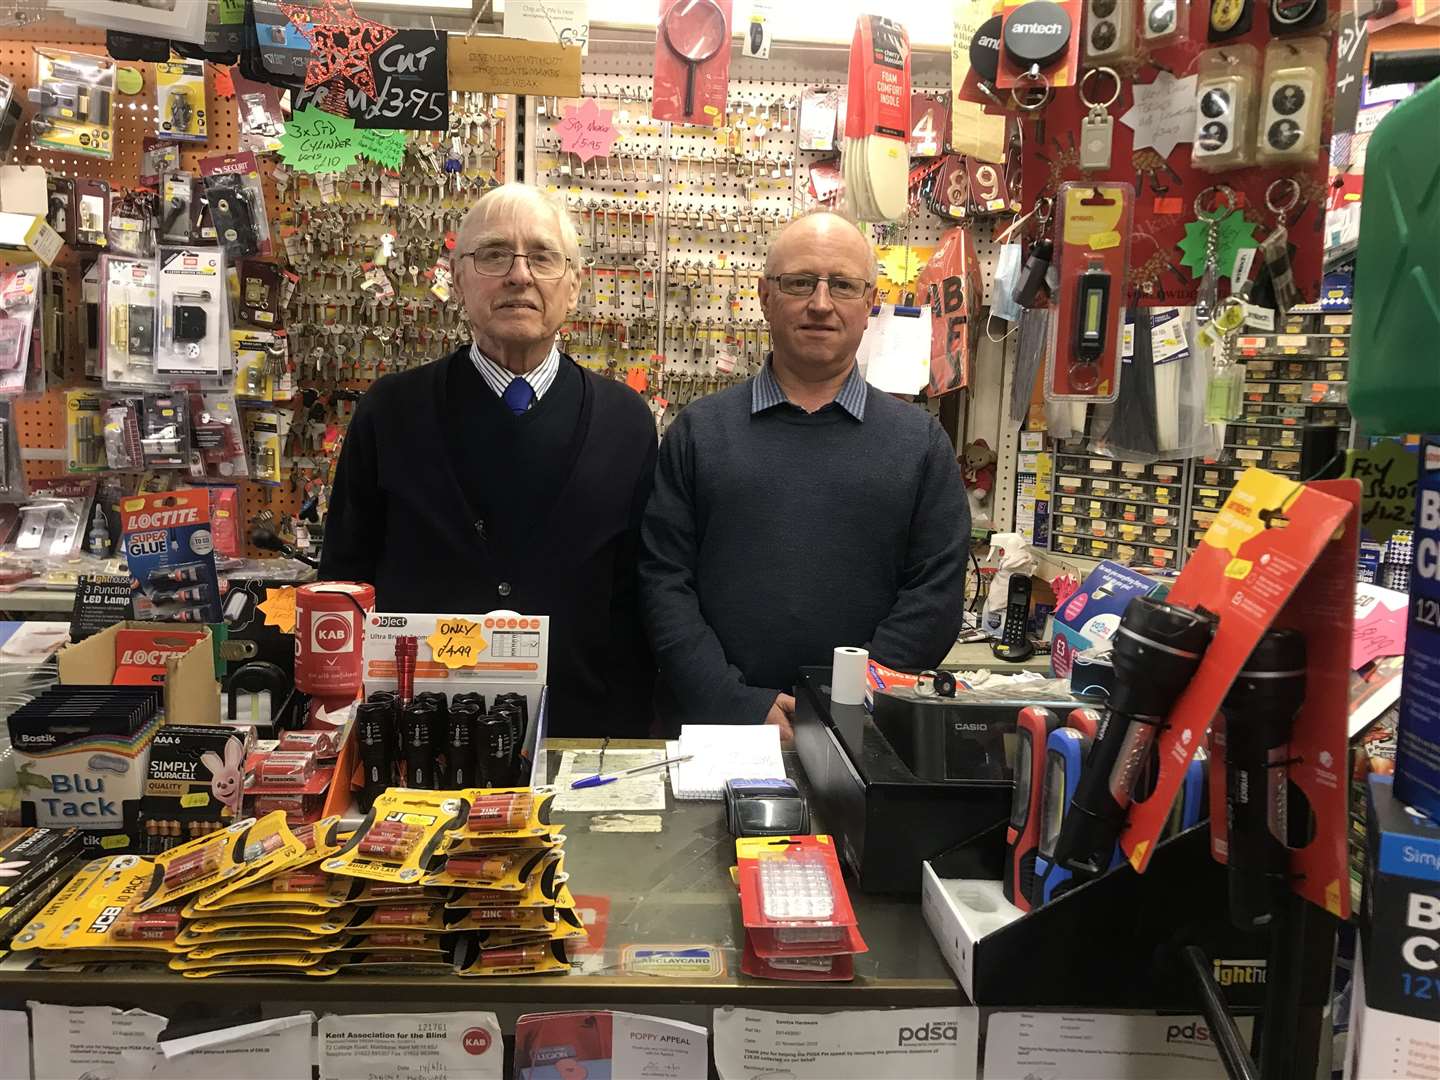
[754, 704]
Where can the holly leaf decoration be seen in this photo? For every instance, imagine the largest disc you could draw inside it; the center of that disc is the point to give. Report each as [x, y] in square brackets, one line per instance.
[1233, 234]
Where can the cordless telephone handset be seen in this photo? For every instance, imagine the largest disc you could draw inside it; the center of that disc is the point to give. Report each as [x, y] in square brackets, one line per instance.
[1014, 644]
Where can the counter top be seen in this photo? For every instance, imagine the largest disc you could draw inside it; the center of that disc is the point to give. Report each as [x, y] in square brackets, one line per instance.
[670, 889]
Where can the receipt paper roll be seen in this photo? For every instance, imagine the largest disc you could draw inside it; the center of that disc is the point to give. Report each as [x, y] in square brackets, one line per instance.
[847, 677]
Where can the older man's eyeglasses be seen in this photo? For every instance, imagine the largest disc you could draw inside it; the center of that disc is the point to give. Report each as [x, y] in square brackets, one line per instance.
[546, 263]
[841, 286]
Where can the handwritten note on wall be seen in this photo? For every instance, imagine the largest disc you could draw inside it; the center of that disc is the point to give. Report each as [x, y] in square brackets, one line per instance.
[587, 131]
[318, 142]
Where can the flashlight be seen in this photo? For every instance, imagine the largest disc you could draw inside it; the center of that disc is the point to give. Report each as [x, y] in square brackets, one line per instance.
[375, 723]
[1032, 727]
[1065, 752]
[1085, 721]
[1259, 713]
[1156, 650]
[418, 722]
[1189, 808]
[1092, 299]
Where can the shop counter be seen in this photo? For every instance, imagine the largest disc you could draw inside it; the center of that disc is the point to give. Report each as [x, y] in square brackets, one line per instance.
[668, 891]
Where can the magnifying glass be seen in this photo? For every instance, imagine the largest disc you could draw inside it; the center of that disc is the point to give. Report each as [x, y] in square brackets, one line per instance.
[694, 31]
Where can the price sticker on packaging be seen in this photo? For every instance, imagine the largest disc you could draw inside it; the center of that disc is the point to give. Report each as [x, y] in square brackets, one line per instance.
[456, 643]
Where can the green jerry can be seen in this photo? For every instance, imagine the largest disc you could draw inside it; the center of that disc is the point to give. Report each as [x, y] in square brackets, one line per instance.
[1395, 339]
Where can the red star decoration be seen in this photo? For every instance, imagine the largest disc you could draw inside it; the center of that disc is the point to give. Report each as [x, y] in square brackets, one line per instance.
[341, 42]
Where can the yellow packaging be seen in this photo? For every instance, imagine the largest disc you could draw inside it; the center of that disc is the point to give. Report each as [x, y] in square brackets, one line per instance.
[518, 812]
[274, 894]
[294, 909]
[534, 959]
[180, 100]
[512, 871]
[393, 939]
[318, 971]
[332, 923]
[279, 959]
[94, 909]
[228, 949]
[75, 112]
[267, 849]
[504, 918]
[567, 926]
[456, 843]
[304, 938]
[430, 814]
[410, 917]
[390, 963]
[535, 894]
[375, 892]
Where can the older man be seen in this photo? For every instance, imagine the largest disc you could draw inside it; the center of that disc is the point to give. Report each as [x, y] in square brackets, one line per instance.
[506, 476]
[801, 510]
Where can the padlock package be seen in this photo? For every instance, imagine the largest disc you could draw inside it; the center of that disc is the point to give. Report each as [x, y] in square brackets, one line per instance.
[259, 356]
[180, 100]
[194, 313]
[1088, 327]
[128, 322]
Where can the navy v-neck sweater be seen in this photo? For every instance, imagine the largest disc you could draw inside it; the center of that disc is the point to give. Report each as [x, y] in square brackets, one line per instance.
[447, 502]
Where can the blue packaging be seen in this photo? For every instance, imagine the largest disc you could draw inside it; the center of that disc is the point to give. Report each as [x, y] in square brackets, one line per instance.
[1092, 615]
[1417, 758]
[170, 551]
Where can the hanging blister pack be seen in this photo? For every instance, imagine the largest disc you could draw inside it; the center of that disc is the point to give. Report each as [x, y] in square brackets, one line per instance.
[217, 434]
[1225, 109]
[180, 100]
[128, 313]
[84, 440]
[237, 204]
[1292, 95]
[165, 431]
[194, 314]
[131, 227]
[1087, 332]
[74, 99]
[19, 306]
[177, 208]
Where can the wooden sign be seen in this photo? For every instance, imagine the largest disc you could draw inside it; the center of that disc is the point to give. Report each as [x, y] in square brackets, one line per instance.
[498, 65]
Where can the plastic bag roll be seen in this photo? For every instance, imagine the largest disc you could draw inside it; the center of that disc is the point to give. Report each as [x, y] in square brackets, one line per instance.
[847, 678]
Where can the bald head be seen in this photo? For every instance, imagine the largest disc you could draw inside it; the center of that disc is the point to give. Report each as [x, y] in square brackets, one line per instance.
[802, 232]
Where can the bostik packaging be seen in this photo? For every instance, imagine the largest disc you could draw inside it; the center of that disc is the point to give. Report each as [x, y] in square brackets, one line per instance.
[171, 555]
[1417, 761]
[1279, 553]
[692, 61]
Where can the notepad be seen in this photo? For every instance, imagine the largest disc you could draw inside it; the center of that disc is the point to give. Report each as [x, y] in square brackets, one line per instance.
[725, 752]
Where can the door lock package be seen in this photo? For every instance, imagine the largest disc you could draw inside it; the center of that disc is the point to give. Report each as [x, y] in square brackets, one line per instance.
[165, 430]
[194, 316]
[128, 322]
[215, 430]
[1088, 329]
[180, 100]
[74, 98]
[169, 549]
[237, 204]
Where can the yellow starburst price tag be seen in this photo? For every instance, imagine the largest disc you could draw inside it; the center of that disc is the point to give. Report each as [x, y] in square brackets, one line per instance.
[279, 609]
[456, 643]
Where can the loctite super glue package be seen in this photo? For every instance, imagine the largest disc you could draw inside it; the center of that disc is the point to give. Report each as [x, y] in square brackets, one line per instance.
[171, 554]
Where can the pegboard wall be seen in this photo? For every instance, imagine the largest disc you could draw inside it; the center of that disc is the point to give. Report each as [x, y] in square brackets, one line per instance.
[676, 221]
[42, 421]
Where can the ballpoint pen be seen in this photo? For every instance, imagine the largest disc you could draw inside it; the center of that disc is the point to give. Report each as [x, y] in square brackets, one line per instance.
[598, 780]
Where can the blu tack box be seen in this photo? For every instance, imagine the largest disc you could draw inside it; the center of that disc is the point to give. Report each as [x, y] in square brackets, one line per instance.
[1417, 751]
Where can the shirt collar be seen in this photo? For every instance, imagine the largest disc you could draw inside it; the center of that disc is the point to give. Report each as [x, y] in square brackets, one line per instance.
[498, 377]
[765, 393]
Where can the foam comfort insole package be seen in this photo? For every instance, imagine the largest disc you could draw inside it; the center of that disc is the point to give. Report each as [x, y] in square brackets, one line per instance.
[877, 120]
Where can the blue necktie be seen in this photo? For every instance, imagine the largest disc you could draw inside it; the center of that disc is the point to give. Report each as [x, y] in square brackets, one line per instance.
[518, 396]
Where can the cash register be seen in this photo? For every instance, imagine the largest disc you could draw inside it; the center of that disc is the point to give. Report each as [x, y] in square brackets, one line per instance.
[919, 776]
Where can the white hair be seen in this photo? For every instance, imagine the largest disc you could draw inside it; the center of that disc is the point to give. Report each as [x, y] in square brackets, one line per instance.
[821, 211]
[507, 202]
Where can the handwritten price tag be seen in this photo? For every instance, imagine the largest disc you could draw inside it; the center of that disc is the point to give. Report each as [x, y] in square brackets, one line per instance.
[279, 609]
[587, 131]
[456, 643]
[317, 142]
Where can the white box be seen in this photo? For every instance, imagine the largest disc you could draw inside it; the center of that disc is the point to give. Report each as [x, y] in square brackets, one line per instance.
[514, 658]
[959, 913]
[1385, 1045]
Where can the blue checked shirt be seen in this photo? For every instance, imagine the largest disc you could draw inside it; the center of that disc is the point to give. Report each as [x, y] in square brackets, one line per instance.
[765, 393]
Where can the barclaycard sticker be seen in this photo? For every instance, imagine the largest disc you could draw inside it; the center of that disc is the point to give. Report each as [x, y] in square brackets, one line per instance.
[673, 961]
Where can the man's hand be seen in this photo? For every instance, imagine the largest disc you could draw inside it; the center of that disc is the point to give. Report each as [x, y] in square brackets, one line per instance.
[781, 713]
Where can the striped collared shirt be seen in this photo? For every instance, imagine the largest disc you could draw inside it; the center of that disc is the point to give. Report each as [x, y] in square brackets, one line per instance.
[498, 378]
[765, 393]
